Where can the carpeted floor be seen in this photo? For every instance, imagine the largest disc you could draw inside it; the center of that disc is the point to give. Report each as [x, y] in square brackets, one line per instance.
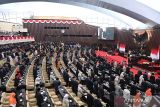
[119, 59]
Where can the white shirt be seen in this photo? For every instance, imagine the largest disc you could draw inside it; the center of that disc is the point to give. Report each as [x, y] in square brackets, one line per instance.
[122, 75]
[116, 80]
[37, 81]
[80, 91]
[89, 72]
[126, 94]
[2, 55]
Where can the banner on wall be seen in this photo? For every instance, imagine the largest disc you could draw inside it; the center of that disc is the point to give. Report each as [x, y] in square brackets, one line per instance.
[154, 53]
[16, 39]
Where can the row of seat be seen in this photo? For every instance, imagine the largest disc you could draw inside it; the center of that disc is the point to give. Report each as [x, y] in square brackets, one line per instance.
[30, 85]
[68, 89]
[73, 95]
[45, 77]
[84, 87]
[30, 97]
[9, 86]
[51, 92]
[55, 99]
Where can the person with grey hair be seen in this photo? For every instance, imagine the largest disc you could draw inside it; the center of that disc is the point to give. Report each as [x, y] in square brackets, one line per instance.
[52, 77]
[80, 90]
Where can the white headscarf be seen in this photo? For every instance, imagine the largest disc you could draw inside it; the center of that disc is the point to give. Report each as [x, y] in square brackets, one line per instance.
[38, 80]
[66, 96]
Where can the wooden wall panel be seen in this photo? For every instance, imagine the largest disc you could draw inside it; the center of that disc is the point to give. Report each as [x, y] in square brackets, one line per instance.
[40, 33]
[121, 36]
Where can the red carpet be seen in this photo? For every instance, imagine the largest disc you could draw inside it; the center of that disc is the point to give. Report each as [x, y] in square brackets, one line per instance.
[142, 61]
[111, 58]
[119, 59]
[136, 71]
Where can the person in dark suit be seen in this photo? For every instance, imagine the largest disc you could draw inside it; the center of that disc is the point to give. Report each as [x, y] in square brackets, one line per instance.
[66, 77]
[152, 78]
[112, 77]
[101, 91]
[74, 85]
[97, 103]
[16, 81]
[89, 84]
[39, 97]
[133, 89]
[112, 86]
[89, 100]
[56, 83]
[144, 86]
[95, 87]
[122, 83]
[158, 81]
[137, 78]
[35, 72]
[145, 76]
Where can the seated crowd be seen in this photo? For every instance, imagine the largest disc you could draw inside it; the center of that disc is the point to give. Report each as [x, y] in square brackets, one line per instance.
[69, 75]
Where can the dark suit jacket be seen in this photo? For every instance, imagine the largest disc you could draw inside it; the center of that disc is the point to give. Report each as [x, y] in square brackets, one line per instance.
[152, 79]
[97, 103]
[56, 83]
[137, 78]
[145, 76]
[89, 100]
[133, 90]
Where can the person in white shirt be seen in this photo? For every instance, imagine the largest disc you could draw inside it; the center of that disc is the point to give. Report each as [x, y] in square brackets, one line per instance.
[118, 90]
[121, 75]
[16, 59]
[141, 79]
[124, 68]
[35, 52]
[80, 76]
[80, 90]
[52, 77]
[89, 72]
[11, 61]
[126, 94]
[2, 54]
[116, 81]
[115, 64]
[65, 101]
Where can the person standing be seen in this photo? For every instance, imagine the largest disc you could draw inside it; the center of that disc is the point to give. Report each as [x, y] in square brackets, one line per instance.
[152, 78]
[137, 99]
[126, 94]
[56, 84]
[65, 101]
[148, 96]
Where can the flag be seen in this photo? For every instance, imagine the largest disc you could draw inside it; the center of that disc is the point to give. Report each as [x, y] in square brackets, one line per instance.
[155, 53]
[122, 47]
[118, 45]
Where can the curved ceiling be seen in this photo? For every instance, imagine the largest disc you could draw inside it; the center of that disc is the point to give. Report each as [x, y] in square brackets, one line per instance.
[131, 8]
